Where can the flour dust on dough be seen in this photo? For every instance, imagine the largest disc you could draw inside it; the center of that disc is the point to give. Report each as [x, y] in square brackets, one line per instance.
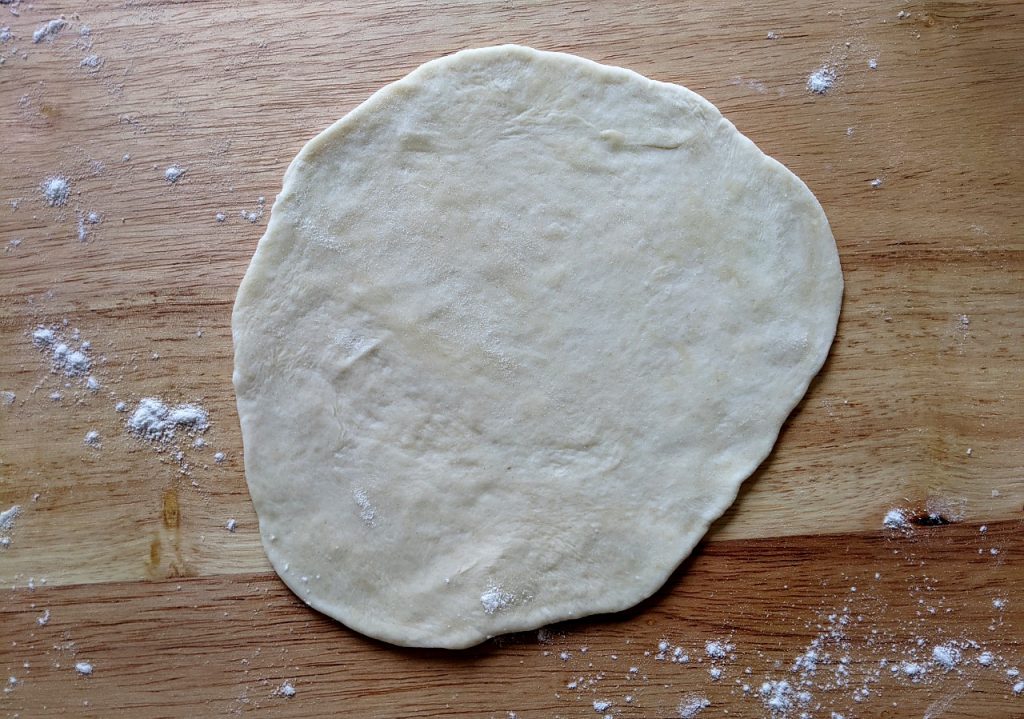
[519, 327]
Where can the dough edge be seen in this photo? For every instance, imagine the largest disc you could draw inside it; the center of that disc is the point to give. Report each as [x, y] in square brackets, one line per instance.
[467, 636]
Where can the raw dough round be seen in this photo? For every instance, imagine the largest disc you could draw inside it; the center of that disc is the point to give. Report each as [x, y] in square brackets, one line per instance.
[519, 327]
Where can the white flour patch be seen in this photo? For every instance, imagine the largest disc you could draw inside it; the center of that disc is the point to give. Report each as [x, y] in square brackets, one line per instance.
[946, 656]
[7, 518]
[156, 420]
[5, 34]
[83, 668]
[777, 696]
[43, 337]
[49, 30]
[56, 190]
[692, 705]
[92, 439]
[91, 63]
[219, 457]
[367, 512]
[65, 358]
[174, 173]
[231, 525]
[896, 519]
[822, 80]
[286, 690]
[72, 362]
[7, 397]
[495, 599]
[718, 650]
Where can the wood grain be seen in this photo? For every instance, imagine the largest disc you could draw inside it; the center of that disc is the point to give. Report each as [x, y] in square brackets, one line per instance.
[920, 405]
[221, 645]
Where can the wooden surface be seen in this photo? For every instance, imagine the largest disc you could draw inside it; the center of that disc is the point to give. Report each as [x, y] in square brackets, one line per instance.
[920, 406]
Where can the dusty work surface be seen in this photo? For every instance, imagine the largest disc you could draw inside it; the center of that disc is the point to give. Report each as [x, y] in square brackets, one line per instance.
[119, 561]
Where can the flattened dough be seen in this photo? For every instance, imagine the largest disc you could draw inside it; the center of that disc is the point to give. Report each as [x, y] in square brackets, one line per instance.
[519, 327]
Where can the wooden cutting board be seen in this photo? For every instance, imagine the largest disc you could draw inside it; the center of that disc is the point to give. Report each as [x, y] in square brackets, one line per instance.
[120, 557]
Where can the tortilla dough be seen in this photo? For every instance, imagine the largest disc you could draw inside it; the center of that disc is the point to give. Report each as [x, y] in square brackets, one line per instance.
[519, 327]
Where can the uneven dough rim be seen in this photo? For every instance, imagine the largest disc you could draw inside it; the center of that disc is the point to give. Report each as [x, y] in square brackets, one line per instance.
[465, 637]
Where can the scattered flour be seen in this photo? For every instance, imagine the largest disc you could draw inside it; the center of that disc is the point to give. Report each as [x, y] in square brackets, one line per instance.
[173, 173]
[368, 513]
[219, 457]
[84, 668]
[946, 656]
[286, 690]
[231, 525]
[777, 696]
[896, 519]
[92, 438]
[44, 618]
[913, 670]
[255, 215]
[155, 420]
[873, 64]
[718, 650]
[495, 599]
[850, 662]
[602, 705]
[5, 34]
[71, 362]
[220, 217]
[43, 337]
[49, 30]
[92, 63]
[821, 80]
[56, 190]
[692, 705]
[877, 182]
[8, 516]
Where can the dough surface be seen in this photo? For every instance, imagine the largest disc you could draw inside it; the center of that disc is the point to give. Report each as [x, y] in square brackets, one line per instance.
[519, 327]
